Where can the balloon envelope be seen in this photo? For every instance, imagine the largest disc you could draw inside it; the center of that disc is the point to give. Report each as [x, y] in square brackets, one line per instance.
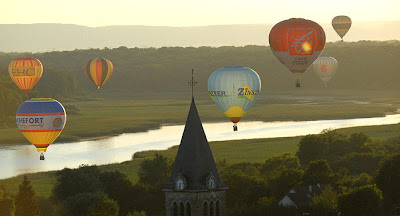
[25, 72]
[325, 68]
[41, 121]
[234, 90]
[341, 24]
[297, 43]
[98, 70]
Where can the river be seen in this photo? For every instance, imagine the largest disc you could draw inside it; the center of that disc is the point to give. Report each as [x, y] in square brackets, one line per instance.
[19, 159]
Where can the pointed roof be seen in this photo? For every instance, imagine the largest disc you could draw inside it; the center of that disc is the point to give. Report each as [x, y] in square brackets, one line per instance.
[194, 160]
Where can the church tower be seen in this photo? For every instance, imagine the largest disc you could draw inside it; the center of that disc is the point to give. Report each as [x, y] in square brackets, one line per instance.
[195, 187]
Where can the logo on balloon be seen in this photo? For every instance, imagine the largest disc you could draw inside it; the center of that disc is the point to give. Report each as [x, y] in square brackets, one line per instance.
[57, 122]
[301, 41]
[247, 93]
[323, 68]
[217, 93]
[23, 72]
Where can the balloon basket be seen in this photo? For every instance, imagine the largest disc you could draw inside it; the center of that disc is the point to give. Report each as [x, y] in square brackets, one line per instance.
[235, 128]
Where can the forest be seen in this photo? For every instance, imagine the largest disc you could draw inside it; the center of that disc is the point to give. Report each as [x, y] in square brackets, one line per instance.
[359, 175]
[363, 65]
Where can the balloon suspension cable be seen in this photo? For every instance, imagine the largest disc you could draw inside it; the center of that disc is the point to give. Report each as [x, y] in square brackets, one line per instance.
[192, 82]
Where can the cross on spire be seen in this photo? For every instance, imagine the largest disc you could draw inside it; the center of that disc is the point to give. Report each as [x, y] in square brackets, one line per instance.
[192, 82]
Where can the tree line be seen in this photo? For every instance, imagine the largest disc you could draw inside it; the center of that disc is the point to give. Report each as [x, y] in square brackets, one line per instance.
[360, 177]
[364, 65]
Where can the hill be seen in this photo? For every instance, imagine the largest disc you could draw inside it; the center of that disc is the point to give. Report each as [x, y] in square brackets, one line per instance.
[58, 37]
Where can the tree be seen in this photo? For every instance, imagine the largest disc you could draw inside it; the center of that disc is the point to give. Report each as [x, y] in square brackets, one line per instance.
[361, 201]
[25, 200]
[136, 213]
[284, 181]
[84, 204]
[104, 207]
[318, 172]
[71, 182]
[387, 180]
[311, 147]
[155, 172]
[325, 204]
[7, 204]
[277, 163]
[119, 188]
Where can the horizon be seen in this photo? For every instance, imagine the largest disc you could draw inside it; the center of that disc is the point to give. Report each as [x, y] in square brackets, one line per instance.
[189, 26]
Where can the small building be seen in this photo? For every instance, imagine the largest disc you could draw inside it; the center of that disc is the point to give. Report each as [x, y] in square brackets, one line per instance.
[195, 187]
[301, 196]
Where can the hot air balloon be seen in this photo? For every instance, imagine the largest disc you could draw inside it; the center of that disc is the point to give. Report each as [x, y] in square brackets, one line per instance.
[341, 24]
[234, 90]
[98, 70]
[297, 43]
[325, 68]
[41, 120]
[25, 72]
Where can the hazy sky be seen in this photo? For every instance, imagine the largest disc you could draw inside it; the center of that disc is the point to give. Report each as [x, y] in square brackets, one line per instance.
[191, 12]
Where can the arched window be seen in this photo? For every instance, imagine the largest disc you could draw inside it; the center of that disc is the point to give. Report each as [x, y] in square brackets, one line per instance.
[211, 208]
[217, 208]
[205, 209]
[175, 210]
[182, 209]
[188, 209]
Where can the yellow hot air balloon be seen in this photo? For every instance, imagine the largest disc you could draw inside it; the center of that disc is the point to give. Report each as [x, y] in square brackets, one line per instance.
[41, 121]
[341, 24]
[99, 70]
[25, 72]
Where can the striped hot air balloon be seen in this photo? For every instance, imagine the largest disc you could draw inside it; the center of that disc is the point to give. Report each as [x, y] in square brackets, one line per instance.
[325, 68]
[98, 70]
[297, 43]
[41, 121]
[341, 24]
[234, 90]
[25, 72]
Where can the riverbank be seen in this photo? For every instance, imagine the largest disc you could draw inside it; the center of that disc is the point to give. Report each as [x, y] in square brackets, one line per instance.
[101, 119]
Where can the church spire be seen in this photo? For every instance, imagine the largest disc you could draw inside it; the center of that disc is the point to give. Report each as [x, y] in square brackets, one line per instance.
[194, 161]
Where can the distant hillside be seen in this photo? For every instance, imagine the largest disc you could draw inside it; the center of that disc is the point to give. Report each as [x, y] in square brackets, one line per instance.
[57, 37]
[363, 65]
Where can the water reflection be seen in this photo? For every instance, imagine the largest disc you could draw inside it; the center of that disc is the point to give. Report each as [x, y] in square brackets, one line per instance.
[19, 159]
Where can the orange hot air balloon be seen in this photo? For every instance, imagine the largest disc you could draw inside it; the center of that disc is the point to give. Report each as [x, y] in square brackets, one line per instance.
[25, 72]
[297, 43]
[98, 70]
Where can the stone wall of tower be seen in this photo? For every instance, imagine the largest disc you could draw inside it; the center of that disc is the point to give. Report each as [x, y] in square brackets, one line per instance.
[196, 201]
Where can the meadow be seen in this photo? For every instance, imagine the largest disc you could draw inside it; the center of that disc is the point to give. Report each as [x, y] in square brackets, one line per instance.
[105, 116]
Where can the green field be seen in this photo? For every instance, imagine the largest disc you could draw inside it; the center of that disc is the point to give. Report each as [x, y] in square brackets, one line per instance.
[109, 117]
